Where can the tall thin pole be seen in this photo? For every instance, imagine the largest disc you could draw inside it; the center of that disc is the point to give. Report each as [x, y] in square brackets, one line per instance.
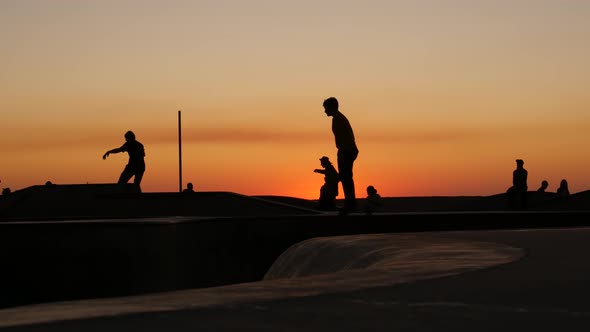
[179, 154]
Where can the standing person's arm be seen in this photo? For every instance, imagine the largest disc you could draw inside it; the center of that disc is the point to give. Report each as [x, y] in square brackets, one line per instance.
[115, 150]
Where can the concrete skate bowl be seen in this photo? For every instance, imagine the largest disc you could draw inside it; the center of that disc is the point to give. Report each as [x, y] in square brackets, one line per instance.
[316, 266]
[361, 261]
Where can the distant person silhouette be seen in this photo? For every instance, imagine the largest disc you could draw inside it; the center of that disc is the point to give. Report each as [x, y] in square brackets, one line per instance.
[136, 164]
[543, 187]
[541, 195]
[6, 191]
[347, 152]
[517, 194]
[373, 201]
[563, 190]
[189, 188]
[329, 189]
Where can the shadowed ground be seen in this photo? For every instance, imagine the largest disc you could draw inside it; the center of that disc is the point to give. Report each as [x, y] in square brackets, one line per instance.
[313, 267]
[533, 279]
[545, 290]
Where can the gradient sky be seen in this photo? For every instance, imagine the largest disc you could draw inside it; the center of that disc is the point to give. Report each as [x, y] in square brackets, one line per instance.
[443, 95]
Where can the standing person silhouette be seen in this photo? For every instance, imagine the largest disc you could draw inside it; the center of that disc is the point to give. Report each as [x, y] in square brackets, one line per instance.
[347, 152]
[136, 165]
[519, 189]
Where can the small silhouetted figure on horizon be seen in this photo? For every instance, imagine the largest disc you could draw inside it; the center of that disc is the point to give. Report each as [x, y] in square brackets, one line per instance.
[543, 187]
[517, 194]
[189, 188]
[541, 195]
[6, 191]
[347, 152]
[563, 190]
[373, 201]
[329, 189]
[136, 164]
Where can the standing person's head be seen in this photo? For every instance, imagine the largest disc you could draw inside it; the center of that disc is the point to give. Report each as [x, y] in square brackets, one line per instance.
[519, 163]
[330, 106]
[129, 136]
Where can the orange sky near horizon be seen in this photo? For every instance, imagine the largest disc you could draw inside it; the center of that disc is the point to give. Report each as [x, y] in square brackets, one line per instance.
[443, 96]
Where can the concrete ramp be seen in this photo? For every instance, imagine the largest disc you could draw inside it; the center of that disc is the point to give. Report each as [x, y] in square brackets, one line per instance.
[312, 267]
[372, 256]
[54, 201]
[51, 202]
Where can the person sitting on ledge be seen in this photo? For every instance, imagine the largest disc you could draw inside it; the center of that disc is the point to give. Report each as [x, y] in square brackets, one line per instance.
[373, 201]
[543, 187]
[329, 189]
[189, 188]
[563, 190]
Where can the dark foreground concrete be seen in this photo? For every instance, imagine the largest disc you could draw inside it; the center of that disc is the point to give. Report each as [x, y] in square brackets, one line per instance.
[75, 242]
[48, 261]
[546, 290]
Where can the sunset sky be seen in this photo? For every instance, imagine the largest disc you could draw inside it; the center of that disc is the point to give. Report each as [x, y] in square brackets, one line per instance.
[443, 95]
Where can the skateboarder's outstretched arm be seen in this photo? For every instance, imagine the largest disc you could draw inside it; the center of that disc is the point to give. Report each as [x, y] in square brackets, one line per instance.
[115, 150]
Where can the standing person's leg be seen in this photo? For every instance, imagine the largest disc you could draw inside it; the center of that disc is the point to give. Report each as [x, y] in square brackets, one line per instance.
[137, 179]
[125, 176]
[345, 164]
